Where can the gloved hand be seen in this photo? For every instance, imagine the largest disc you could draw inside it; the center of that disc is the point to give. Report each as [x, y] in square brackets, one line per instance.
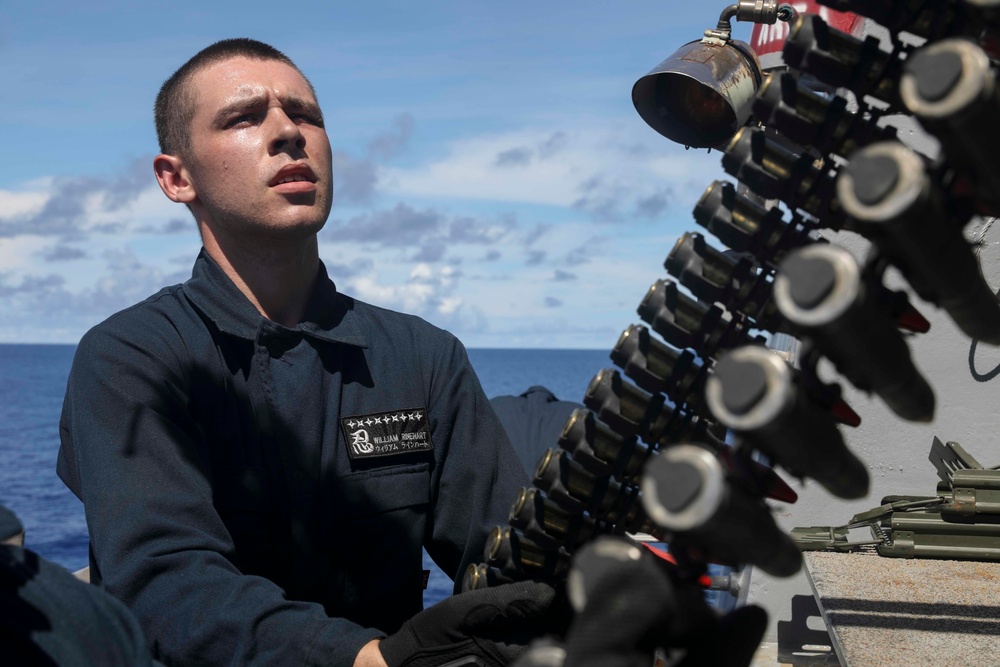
[493, 624]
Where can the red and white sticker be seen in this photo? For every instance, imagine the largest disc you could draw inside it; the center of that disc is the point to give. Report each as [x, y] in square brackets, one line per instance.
[766, 39]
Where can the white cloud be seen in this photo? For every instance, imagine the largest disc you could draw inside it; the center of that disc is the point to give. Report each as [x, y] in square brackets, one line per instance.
[559, 168]
[150, 209]
[16, 203]
[427, 291]
[535, 202]
[42, 301]
[19, 254]
[77, 208]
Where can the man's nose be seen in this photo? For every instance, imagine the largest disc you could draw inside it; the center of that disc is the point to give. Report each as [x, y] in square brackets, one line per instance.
[286, 132]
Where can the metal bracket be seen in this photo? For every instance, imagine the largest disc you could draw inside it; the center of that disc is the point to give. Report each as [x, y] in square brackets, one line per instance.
[751, 11]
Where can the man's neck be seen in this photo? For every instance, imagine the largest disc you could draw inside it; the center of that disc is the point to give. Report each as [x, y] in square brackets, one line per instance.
[277, 277]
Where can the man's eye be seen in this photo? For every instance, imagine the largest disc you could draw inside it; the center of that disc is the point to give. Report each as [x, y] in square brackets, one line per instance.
[244, 120]
[308, 118]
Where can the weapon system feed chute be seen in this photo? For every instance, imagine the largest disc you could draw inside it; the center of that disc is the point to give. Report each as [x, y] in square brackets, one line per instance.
[672, 447]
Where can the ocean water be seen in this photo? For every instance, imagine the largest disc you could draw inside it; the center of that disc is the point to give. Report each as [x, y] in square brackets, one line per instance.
[32, 384]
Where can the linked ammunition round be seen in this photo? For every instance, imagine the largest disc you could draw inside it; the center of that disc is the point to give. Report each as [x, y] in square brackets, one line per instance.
[883, 183]
[657, 367]
[946, 79]
[682, 321]
[688, 492]
[599, 449]
[817, 284]
[820, 289]
[475, 577]
[494, 543]
[683, 487]
[750, 388]
[519, 504]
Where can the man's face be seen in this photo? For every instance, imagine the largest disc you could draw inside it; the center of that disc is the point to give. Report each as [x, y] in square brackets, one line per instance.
[259, 158]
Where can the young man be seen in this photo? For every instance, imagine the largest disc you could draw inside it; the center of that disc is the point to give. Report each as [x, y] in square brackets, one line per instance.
[261, 458]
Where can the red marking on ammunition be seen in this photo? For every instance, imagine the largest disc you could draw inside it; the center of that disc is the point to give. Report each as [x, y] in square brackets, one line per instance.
[912, 320]
[844, 414]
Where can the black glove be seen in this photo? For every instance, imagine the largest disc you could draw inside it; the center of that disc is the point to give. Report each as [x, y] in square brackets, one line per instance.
[493, 624]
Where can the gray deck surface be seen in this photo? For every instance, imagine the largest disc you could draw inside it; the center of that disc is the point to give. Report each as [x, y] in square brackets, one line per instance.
[895, 611]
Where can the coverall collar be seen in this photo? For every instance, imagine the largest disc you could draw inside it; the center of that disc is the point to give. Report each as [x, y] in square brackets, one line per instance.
[329, 315]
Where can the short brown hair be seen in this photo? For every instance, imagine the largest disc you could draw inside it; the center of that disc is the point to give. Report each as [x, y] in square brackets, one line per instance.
[174, 106]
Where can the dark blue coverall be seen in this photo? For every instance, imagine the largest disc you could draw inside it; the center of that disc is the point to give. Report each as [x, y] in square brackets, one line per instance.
[533, 422]
[49, 618]
[260, 494]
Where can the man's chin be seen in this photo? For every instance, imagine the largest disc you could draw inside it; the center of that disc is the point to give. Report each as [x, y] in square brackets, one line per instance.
[305, 218]
[271, 225]
[293, 229]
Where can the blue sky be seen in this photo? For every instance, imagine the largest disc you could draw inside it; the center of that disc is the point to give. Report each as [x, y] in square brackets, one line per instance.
[491, 174]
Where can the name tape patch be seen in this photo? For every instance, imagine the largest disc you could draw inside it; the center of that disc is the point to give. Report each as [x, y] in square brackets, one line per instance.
[387, 434]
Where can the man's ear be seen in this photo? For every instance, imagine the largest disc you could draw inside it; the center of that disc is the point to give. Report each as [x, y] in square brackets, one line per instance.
[174, 178]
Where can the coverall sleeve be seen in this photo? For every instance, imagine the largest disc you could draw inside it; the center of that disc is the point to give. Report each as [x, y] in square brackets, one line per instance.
[479, 475]
[133, 454]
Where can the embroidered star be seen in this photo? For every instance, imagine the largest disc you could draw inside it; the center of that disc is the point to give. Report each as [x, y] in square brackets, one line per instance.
[395, 418]
[368, 421]
[378, 420]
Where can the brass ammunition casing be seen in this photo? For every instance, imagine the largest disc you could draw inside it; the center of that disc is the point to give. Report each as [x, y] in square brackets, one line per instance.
[598, 448]
[810, 118]
[713, 275]
[630, 410]
[707, 272]
[659, 368]
[746, 225]
[684, 322]
[626, 408]
[510, 551]
[547, 523]
[572, 486]
[773, 170]
[478, 576]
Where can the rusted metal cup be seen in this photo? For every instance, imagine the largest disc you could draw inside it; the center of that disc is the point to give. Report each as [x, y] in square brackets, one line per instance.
[702, 94]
